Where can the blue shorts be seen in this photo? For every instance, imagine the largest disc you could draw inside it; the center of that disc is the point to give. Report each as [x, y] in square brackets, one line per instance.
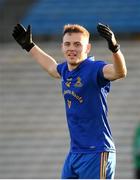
[98, 165]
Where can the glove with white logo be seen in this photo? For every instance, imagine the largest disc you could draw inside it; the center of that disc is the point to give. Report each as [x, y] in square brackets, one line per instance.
[23, 37]
[106, 33]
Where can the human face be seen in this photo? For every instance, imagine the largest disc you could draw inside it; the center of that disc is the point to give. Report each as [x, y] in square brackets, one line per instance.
[75, 47]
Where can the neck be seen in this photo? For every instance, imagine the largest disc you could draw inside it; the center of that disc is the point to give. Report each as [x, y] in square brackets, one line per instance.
[73, 66]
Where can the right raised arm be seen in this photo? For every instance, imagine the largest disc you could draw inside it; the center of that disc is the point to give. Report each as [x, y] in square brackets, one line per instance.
[46, 61]
[24, 39]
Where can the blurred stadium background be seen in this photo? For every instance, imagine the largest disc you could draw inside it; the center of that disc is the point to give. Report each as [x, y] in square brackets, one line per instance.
[33, 132]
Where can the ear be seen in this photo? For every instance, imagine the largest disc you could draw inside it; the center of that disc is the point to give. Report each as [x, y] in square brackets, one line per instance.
[88, 48]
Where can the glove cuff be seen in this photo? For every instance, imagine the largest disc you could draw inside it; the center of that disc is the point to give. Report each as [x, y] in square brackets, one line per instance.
[114, 48]
[28, 47]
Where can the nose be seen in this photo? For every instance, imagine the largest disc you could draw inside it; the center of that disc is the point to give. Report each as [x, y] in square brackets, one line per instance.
[71, 47]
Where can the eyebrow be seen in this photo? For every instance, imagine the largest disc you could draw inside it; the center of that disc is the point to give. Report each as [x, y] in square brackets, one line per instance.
[76, 42]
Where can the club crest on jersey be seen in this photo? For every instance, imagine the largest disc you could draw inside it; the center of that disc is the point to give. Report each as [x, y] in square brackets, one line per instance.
[78, 83]
[68, 83]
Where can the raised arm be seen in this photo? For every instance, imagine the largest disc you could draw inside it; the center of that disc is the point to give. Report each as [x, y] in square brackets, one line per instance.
[45, 60]
[117, 69]
[24, 39]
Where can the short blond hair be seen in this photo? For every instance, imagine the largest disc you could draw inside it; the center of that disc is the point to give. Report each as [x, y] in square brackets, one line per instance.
[75, 28]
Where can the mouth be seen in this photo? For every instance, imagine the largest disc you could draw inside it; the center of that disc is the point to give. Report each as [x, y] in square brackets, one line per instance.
[72, 55]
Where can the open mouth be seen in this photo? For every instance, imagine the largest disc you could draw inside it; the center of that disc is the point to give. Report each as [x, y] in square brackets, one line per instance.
[72, 55]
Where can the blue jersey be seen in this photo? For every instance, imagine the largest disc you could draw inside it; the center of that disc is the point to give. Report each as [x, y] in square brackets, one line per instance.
[85, 91]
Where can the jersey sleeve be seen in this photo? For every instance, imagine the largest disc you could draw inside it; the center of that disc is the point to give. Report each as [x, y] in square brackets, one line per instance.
[60, 68]
[101, 80]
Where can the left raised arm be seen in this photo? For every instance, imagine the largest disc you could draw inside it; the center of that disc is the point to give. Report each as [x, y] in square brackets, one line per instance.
[117, 69]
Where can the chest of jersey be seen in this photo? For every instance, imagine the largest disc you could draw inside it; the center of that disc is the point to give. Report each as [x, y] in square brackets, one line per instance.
[77, 88]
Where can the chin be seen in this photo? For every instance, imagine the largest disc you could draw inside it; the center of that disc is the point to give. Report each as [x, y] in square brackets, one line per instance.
[73, 61]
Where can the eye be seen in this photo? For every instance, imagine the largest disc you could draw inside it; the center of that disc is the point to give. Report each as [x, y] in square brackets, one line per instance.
[77, 44]
[67, 44]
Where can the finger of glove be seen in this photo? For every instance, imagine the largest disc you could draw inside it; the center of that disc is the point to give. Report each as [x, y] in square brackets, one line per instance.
[17, 37]
[100, 29]
[16, 33]
[107, 25]
[106, 35]
[100, 26]
[29, 31]
[20, 28]
[16, 30]
[104, 31]
[29, 34]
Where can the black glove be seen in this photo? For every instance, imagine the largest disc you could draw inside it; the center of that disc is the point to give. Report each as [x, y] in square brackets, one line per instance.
[23, 37]
[105, 32]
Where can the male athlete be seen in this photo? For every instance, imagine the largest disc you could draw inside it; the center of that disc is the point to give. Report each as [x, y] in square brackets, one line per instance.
[85, 85]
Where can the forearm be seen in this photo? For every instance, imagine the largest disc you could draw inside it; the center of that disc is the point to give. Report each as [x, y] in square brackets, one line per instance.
[23, 37]
[119, 64]
[45, 60]
[117, 69]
